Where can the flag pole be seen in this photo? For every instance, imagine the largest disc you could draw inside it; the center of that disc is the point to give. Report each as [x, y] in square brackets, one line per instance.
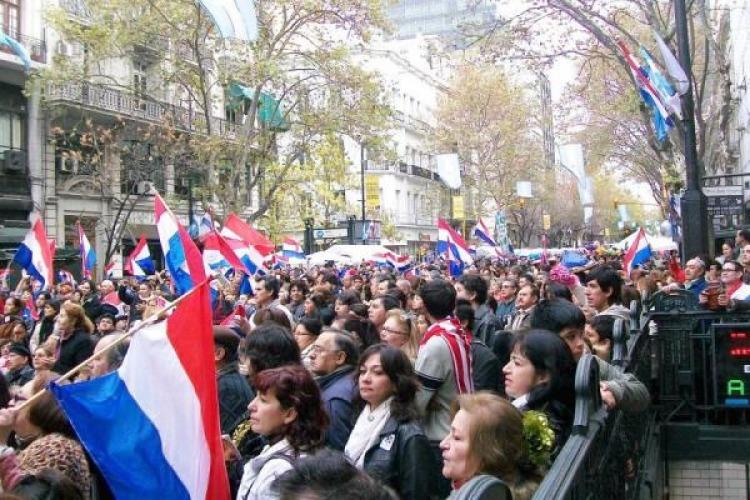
[146, 322]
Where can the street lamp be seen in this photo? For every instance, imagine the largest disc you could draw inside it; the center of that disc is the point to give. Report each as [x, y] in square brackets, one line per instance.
[694, 220]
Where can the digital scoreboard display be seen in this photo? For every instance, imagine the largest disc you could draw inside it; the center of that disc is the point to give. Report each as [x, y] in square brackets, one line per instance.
[732, 364]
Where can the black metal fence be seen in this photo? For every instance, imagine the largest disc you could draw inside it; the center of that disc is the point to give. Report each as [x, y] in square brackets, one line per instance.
[696, 364]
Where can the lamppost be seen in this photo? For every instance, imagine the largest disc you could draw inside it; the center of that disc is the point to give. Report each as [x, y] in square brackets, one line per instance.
[694, 220]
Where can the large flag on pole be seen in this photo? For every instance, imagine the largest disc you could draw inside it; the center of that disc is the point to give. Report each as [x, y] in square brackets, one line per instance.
[88, 256]
[182, 257]
[453, 246]
[235, 229]
[660, 115]
[34, 254]
[152, 427]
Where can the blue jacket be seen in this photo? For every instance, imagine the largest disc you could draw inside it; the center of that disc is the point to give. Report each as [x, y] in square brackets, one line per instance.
[337, 390]
[697, 286]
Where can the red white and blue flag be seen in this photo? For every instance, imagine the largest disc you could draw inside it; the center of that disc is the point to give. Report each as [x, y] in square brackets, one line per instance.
[87, 253]
[638, 252]
[662, 120]
[482, 233]
[182, 257]
[139, 263]
[218, 255]
[152, 427]
[401, 263]
[292, 249]
[34, 253]
[247, 243]
[454, 247]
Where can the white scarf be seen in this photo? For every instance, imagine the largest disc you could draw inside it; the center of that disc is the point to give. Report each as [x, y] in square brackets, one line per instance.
[521, 401]
[366, 431]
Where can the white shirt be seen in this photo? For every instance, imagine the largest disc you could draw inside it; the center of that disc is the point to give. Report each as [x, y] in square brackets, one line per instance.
[742, 293]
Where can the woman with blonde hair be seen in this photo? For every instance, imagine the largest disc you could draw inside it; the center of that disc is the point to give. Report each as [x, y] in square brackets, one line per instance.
[73, 333]
[400, 330]
[490, 438]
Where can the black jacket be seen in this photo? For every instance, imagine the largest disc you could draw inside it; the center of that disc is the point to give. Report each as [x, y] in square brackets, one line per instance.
[74, 350]
[485, 368]
[402, 459]
[92, 306]
[234, 396]
[485, 324]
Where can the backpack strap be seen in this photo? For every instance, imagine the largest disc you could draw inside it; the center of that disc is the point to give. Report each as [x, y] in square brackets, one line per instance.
[484, 487]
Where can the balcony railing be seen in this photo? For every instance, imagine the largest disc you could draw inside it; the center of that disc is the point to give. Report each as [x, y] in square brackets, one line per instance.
[403, 168]
[37, 48]
[110, 100]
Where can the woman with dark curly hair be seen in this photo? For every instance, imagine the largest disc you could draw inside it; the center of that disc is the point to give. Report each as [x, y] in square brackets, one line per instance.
[288, 411]
[388, 441]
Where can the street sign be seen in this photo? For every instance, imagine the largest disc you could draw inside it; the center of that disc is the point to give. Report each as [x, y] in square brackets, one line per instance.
[722, 190]
[325, 234]
[725, 205]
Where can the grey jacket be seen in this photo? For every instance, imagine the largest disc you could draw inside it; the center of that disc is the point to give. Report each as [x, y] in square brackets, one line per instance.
[629, 392]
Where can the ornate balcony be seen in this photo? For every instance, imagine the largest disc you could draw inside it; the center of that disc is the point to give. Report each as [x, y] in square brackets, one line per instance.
[117, 102]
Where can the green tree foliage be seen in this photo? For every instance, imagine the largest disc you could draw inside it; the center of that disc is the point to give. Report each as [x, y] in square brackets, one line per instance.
[299, 86]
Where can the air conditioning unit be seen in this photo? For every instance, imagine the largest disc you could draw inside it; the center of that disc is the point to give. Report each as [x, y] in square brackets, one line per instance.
[63, 49]
[14, 161]
[146, 188]
[68, 165]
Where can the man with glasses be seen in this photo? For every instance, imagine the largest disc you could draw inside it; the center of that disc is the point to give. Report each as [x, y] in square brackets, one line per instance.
[333, 360]
[733, 288]
[506, 300]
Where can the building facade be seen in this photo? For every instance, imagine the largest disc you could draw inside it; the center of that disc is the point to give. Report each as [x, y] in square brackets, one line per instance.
[410, 193]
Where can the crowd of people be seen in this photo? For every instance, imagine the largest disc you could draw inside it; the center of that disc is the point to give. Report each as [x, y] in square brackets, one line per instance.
[356, 381]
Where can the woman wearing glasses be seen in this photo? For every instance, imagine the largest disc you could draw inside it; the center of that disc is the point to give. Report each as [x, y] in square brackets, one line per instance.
[400, 331]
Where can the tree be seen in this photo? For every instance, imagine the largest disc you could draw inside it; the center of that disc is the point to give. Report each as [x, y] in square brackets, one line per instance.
[280, 96]
[489, 121]
[592, 30]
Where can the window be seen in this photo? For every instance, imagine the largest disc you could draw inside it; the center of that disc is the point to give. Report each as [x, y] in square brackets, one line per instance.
[10, 17]
[140, 81]
[11, 130]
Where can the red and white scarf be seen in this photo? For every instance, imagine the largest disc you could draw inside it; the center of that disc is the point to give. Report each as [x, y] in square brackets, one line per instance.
[459, 343]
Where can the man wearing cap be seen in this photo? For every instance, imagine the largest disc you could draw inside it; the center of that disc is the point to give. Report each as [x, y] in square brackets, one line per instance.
[235, 392]
[19, 370]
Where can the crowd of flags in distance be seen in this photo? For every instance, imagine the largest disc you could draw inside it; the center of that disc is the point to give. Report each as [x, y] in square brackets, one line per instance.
[236, 248]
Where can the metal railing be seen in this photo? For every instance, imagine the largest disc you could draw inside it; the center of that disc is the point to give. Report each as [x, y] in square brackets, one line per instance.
[605, 454]
[693, 362]
[37, 48]
[110, 100]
